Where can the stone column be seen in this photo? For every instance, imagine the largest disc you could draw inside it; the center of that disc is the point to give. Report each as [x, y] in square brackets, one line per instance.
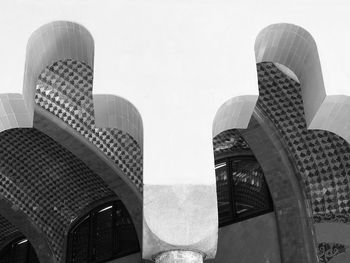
[180, 223]
[179, 256]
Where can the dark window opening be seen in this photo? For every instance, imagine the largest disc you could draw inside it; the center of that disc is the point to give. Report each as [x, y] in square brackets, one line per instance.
[105, 233]
[241, 189]
[18, 251]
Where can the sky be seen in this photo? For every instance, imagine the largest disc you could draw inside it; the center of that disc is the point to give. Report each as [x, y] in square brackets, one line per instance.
[177, 62]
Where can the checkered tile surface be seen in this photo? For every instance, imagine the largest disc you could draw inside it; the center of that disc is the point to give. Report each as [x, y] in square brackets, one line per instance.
[321, 157]
[65, 90]
[327, 251]
[46, 182]
[6, 228]
[229, 141]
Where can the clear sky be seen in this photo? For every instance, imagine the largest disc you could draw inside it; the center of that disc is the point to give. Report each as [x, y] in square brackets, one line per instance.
[177, 62]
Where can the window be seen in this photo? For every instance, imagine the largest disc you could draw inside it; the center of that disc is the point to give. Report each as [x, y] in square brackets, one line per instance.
[241, 189]
[18, 251]
[105, 233]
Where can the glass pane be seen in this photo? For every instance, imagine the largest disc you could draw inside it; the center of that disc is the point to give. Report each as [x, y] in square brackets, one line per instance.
[20, 252]
[103, 234]
[80, 242]
[126, 237]
[250, 193]
[222, 188]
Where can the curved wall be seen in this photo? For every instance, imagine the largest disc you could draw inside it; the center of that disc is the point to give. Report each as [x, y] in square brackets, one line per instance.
[252, 240]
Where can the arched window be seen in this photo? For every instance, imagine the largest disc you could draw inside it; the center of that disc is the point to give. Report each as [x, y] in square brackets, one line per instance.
[105, 233]
[241, 189]
[18, 251]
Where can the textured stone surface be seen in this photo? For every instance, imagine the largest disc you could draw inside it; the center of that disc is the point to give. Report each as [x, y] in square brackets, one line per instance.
[294, 225]
[234, 114]
[249, 241]
[341, 258]
[179, 256]
[13, 112]
[179, 217]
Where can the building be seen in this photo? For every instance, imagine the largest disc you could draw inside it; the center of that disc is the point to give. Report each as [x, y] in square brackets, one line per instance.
[85, 178]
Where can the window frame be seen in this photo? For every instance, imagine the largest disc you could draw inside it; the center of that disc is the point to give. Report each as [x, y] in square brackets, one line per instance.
[91, 217]
[235, 218]
[17, 241]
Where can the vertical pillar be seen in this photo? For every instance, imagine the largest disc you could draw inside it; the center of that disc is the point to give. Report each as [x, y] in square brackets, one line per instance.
[179, 256]
[180, 223]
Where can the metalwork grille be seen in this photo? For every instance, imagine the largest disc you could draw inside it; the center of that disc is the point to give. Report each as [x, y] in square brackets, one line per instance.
[241, 188]
[106, 233]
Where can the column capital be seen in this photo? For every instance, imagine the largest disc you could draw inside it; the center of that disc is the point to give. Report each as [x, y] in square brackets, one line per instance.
[179, 256]
[179, 221]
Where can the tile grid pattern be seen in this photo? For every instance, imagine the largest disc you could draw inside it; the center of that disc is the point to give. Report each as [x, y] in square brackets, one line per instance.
[6, 228]
[46, 182]
[332, 218]
[322, 158]
[65, 90]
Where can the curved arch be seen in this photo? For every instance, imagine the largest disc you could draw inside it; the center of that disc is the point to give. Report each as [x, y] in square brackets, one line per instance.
[9, 249]
[95, 160]
[235, 113]
[64, 90]
[295, 48]
[61, 40]
[111, 153]
[67, 41]
[293, 51]
[297, 239]
[51, 42]
[54, 41]
[93, 210]
[112, 111]
[47, 183]
[23, 223]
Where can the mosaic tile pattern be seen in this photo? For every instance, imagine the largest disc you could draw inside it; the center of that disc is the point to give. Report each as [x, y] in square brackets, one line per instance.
[327, 251]
[6, 228]
[229, 141]
[321, 157]
[46, 182]
[332, 218]
[65, 90]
